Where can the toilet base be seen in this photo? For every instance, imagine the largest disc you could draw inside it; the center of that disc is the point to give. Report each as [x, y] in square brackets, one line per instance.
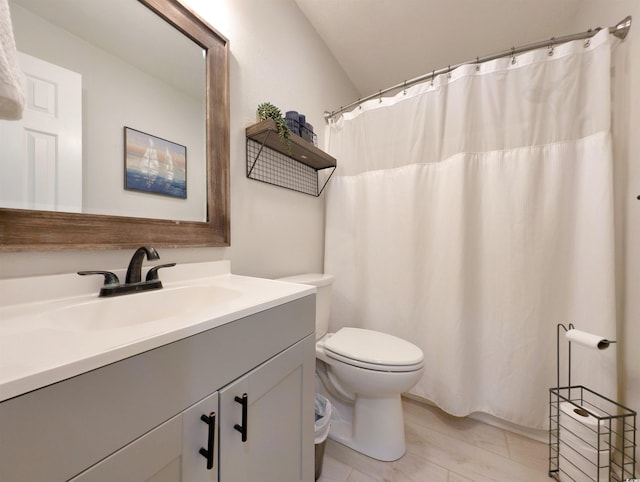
[371, 426]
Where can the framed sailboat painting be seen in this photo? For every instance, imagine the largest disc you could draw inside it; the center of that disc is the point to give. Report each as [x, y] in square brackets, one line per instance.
[154, 165]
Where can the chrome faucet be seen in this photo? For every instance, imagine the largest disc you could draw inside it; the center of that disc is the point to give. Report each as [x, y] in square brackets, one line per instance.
[133, 281]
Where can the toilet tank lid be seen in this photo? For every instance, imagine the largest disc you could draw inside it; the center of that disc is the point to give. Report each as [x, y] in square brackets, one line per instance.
[315, 279]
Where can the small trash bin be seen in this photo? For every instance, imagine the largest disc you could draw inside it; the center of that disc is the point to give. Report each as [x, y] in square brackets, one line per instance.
[323, 416]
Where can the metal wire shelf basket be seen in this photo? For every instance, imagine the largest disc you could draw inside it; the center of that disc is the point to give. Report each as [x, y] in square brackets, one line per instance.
[297, 164]
[591, 437]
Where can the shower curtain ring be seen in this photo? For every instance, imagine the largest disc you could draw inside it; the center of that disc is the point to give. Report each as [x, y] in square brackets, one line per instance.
[513, 55]
[405, 88]
[433, 76]
[449, 73]
[380, 96]
[551, 46]
[477, 64]
[587, 41]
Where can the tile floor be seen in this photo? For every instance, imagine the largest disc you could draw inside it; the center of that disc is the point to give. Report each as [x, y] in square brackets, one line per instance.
[442, 448]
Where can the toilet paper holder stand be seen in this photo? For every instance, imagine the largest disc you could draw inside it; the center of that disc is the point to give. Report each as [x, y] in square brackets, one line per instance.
[603, 345]
[616, 427]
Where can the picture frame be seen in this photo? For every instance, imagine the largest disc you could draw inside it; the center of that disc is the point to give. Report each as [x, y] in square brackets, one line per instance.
[154, 165]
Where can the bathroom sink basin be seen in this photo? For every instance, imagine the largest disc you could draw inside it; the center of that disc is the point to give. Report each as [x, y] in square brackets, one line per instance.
[136, 309]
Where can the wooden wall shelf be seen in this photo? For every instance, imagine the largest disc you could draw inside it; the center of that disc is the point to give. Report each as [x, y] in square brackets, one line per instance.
[270, 160]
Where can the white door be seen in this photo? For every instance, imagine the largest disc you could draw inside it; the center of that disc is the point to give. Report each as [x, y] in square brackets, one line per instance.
[41, 155]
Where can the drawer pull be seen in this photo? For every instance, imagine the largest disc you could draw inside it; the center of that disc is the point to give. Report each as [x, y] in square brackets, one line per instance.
[208, 453]
[243, 428]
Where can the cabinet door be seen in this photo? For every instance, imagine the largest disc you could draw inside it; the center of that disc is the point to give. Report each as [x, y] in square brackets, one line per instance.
[278, 420]
[200, 453]
[168, 453]
[153, 457]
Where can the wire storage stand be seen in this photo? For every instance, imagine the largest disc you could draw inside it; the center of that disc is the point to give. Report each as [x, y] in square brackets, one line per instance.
[591, 438]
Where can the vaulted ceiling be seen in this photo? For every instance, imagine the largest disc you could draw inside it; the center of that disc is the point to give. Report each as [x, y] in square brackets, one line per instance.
[380, 43]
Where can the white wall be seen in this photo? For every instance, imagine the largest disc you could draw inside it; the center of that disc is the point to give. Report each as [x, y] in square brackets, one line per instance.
[276, 56]
[626, 123]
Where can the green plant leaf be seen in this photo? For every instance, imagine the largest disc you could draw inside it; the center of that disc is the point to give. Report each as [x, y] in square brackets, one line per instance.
[267, 110]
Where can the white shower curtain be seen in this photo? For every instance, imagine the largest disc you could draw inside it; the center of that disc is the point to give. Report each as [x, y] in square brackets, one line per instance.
[471, 216]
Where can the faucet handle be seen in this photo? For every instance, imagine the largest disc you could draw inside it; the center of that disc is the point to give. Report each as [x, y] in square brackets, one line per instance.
[110, 279]
[152, 274]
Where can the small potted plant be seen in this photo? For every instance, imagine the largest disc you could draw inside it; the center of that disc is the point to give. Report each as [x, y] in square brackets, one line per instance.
[267, 110]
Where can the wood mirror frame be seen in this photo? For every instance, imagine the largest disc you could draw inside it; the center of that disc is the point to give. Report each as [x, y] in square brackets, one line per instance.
[24, 230]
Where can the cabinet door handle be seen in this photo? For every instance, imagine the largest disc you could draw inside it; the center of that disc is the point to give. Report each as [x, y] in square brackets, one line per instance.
[208, 453]
[243, 428]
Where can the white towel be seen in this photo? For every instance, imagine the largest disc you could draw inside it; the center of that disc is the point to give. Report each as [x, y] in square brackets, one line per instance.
[12, 96]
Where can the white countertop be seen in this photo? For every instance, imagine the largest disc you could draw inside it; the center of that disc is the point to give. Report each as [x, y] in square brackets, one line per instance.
[34, 352]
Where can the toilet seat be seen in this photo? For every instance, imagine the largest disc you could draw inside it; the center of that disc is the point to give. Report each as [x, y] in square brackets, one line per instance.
[373, 350]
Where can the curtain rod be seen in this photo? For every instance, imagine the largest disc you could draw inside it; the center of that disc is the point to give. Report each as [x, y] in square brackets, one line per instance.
[620, 30]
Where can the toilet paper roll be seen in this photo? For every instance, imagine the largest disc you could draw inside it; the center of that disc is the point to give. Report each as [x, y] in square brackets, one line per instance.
[579, 457]
[579, 428]
[587, 339]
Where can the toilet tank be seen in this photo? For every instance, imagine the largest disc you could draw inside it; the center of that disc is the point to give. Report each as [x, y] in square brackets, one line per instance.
[323, 283]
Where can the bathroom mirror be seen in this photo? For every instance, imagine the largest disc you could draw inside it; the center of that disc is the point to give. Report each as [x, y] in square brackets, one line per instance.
[199, 134]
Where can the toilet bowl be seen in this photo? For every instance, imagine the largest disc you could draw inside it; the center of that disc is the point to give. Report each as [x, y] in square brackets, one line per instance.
[363, 373]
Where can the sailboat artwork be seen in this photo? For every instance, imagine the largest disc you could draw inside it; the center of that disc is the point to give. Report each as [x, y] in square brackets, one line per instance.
[154, 165]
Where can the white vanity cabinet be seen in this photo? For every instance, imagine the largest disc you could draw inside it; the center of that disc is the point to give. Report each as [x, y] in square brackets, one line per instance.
[141, 418]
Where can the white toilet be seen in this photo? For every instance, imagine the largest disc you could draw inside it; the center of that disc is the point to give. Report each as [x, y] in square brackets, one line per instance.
[363, 373]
